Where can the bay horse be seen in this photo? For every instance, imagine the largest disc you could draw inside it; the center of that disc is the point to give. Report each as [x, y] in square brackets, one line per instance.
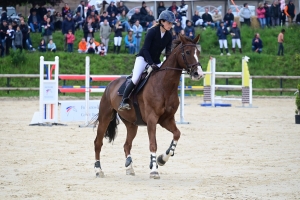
[158, 102]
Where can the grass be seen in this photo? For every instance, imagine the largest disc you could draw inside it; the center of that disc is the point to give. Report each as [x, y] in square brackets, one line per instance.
[267, 63]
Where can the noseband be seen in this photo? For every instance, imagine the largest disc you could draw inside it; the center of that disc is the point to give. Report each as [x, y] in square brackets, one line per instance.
[188, 66]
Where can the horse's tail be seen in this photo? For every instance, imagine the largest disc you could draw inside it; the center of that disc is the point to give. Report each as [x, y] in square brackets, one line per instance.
[112, 128]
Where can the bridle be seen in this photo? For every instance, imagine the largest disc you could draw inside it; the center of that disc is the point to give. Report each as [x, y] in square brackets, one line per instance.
[188, 67]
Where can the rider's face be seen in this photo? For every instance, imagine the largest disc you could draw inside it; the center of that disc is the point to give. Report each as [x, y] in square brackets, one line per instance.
[167, 25]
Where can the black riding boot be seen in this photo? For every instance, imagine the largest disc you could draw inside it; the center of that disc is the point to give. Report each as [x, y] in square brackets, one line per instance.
[118, 49]
[124, 103]
[115, 47]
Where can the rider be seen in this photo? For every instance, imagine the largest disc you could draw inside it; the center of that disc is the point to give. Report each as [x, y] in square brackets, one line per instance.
[157, 39]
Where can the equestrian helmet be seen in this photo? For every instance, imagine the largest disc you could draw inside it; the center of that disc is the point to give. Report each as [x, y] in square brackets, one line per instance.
[167, 15]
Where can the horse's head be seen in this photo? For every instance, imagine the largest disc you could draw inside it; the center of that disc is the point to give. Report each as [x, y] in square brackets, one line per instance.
[189, 57]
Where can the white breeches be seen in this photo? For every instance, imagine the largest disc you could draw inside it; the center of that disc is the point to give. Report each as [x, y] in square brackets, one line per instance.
[223, 43]
[139, 66]
[117, 41]
[236, 41]
[183, 22]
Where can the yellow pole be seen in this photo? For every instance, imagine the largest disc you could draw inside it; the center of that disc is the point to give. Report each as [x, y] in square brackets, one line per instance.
[207, 77]
[246, 75]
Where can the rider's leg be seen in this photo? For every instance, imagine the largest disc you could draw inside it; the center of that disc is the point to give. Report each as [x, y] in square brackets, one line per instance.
[138, 69]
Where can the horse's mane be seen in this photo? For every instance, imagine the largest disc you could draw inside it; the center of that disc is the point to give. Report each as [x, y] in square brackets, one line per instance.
[176, 42]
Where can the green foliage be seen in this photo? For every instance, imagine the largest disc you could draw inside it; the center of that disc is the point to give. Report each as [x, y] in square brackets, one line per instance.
[18, 58]
[298, 100]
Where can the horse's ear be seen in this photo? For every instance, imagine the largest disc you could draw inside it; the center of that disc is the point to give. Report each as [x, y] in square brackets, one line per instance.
[196, 40]
[182, 39]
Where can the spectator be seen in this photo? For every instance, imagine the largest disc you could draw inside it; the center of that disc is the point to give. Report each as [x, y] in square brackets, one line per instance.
[82, 46]
[48, 29]
[80, 9]
[280, 42]
[91, 46]
[189, 30]
[267, 14]
[207, 19]
[149, 20]
[105, 32]
[58, 21]
[143, 10]
[103, 17]
[257, 44]
[118, 37]
[24, 30]
[245, 15]
[222, 33]
[34, 8]
[95, 19]
[1, 49]
[178, 27]
[135, 16]
[275, 13]
[42, 11]
[260, 11]
[282, 15]
[177, 16]
[92, 9]
[51, 46]
[228, 18]
[137, 33]
[182, 9]
[290, 11]
[236, 37]
[34, 22]
[14, 25]
[10, 36]
[182, 33]
[50, 16]
[102, 50]
[298, 19]
[18, 39]
[42, 46]
[161, 7]
[174, 35]
[111, 8]
[70, 40]
[197, 20]
[112, 20]
[78, 21]
[68, 24]
[173, 7]
[97, 45]
[65, 11]
[89, 29]
[124, 20]
[217, 18]
[3, 31]
[28, 42]
[130, 42]
[122, 8]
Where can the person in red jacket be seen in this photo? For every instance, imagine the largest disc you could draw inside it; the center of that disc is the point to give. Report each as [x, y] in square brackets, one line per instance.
[70, 41]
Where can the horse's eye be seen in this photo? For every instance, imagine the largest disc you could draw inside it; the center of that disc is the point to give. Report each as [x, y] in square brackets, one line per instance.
[188, 52]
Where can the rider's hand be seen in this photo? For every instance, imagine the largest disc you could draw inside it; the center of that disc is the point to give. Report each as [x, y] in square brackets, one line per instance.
[154, 67]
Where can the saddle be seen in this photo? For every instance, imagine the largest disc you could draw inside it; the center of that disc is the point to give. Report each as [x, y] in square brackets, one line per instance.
[133, 96]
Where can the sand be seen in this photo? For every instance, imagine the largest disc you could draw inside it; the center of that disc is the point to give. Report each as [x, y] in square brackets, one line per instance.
[224, 153]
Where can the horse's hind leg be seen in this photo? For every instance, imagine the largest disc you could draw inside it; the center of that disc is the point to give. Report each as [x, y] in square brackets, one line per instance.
[104, 119]
[131, 133]
[170, 125]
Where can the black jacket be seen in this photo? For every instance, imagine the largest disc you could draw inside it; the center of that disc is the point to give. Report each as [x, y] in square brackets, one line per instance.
[159, 10]
[275, 11]
[267, 13]
[207, 17]
[135, 17]
[228, 17]
[154, 45]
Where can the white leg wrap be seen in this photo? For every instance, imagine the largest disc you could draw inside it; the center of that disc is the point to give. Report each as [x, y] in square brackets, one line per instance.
[154, 168]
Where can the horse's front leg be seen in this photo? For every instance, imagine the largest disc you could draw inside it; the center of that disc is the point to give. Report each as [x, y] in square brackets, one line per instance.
[170, 126]
[151, 126]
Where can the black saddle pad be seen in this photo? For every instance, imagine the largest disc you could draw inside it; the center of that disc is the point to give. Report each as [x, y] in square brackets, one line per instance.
[137, 88]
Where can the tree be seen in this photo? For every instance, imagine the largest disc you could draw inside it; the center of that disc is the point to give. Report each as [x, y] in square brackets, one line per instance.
[14, 3]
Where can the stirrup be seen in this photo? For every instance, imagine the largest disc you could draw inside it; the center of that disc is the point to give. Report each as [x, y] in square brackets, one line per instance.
[124, 106]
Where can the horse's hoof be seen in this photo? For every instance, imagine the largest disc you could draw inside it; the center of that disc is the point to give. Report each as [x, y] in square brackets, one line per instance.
[99, 173]
[160, 160]
[130, 172]
[154, 175]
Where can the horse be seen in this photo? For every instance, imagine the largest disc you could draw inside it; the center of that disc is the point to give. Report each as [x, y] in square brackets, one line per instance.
[158, 101]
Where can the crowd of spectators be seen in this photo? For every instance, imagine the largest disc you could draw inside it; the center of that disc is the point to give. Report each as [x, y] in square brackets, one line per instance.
[114, 20]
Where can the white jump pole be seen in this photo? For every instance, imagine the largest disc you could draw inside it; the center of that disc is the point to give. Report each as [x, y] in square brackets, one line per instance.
[182, 102]
[212, 80]
[250, 92]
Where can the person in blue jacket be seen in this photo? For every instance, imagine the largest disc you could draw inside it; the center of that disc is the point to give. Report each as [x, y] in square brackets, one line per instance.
[158, 38]
[257, 43]
[222, 33]
[130, 42]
